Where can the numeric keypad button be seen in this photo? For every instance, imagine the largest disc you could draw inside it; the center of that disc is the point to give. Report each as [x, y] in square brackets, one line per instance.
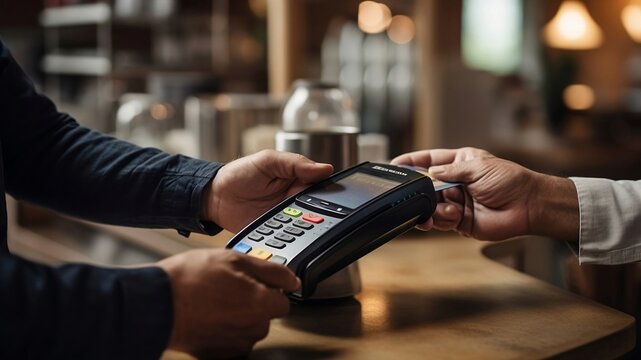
[303, 224]
[255, 237]
[273, 224]
[282, 218]
[275, 244]
[284, 237]
[265, 231]
[293, 231]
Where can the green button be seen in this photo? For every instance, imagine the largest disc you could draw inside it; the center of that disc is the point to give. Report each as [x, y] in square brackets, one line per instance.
[292, 212]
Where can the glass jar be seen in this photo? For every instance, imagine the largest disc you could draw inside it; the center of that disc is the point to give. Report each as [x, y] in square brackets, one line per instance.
[314, 106]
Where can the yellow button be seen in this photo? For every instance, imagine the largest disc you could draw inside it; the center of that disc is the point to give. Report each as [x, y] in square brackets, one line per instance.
[261, 254]
[292, 212]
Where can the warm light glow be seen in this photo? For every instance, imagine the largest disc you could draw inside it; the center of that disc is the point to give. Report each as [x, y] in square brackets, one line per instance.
[631, 17]
[572, 28]
[373, 17]
[578, 97]
[258, 7]
[401, 30]
[160, 111]
[375, 311]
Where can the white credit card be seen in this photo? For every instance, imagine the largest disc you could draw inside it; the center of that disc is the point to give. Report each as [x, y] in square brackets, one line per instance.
[438, 184]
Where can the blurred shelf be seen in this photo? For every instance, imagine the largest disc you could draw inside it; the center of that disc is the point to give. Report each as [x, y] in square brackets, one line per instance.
[72, 15]
[96, 14]
[76, 64]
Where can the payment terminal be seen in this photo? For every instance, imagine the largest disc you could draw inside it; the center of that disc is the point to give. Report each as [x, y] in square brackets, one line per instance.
[338, 220]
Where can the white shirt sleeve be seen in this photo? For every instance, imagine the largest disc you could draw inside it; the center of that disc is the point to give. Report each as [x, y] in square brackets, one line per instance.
[610, 226]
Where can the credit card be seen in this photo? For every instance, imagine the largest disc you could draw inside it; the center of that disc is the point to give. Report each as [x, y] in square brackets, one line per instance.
[439, 185]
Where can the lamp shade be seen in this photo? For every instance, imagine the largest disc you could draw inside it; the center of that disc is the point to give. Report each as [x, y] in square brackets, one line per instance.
[631, 17]
[572, 28]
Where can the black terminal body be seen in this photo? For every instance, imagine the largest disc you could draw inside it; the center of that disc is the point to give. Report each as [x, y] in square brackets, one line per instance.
[338, 220]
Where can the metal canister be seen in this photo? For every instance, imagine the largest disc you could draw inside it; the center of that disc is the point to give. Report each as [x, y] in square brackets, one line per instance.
[320, 123]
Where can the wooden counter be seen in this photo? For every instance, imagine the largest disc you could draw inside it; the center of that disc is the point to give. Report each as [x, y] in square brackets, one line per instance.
[437, 297]
[428, 296]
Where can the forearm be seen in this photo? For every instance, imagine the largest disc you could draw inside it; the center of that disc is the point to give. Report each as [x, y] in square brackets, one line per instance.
[93, 176]
[50, 160]
[554, 208]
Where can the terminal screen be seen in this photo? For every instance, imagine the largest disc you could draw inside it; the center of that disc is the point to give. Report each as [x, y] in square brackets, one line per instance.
[354, 190]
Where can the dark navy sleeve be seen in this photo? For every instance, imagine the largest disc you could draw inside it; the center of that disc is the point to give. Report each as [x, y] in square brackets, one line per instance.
[52, 161]
[83, 311]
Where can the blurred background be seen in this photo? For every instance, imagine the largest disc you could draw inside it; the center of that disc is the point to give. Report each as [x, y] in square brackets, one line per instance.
[554, 85]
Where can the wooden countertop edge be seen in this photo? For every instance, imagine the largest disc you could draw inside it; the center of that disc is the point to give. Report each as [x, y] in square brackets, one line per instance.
[623, 339]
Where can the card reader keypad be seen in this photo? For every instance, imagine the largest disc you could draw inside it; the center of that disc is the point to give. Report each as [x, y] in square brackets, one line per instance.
[296, 228]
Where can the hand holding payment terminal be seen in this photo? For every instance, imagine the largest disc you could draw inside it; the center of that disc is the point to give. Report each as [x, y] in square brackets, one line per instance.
[338, 220]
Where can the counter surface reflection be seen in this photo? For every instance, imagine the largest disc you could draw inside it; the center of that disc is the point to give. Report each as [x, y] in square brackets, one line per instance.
[437, 297]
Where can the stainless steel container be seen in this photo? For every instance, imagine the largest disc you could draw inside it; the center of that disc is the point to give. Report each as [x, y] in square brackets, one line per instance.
[338, 149]
[218, 123]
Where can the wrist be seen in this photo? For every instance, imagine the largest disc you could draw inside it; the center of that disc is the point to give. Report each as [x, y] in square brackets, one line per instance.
[554, 208]
[208, 203]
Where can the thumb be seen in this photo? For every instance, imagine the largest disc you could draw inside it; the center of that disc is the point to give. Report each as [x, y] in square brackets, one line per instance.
[309, 171]
[286, 165]
[464, 171]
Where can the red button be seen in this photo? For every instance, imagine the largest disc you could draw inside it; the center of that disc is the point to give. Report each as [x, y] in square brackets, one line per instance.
[313, 218]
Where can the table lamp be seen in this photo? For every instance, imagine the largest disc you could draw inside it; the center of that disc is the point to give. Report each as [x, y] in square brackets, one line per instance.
[572, 28]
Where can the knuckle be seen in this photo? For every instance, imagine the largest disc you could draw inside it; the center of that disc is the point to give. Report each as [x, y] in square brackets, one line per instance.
[267, 153]
[470, 153]
[235, 259]
[260, 295]
[261, 330]
[247, 322]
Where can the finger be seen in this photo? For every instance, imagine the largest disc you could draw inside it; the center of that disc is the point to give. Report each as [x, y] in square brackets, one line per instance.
[426, 226]
[276, 303]
[285, 165]
[447, 217]
[426, 158]
[454, 195]
[466, 225]
[463, 171]
[311, 172]
[272, 275]
[447, 212]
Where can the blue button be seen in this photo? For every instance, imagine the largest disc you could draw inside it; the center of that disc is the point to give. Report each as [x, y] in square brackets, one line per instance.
[242, 248]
